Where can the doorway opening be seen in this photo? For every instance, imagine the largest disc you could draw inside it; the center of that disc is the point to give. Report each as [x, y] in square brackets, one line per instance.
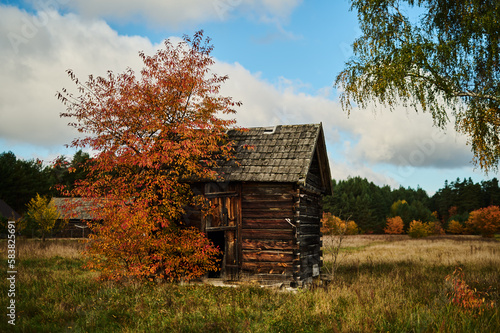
[219, 240]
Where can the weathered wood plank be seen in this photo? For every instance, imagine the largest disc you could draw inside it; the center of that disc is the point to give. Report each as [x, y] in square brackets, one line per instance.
[270, 267]
[271, 234]
[304, 219]
[309, 229]
[248, 244]
[255, 223]
[306, 240]
[252, 197]
[284, 205]
[267, 189]
[275, 256]
[268, 213]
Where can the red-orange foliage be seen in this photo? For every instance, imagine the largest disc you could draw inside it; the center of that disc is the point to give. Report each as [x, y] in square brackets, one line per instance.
[465, 297]
[334, 225]
[486, 221]
[394, 225]
[152, 133]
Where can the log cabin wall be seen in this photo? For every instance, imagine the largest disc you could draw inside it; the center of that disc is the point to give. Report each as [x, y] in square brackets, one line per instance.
[269, 237]
[308, 220]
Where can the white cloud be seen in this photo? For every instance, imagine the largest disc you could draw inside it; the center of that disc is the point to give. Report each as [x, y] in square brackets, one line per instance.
[35, 52]
[176, 14]
[406, 138]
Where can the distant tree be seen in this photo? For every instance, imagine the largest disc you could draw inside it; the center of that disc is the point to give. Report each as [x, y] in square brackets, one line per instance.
[394, 226]
[435, 228]
[65, 174]
[334, 225]
[152, 134]
[361, 200]
[491, 192]
[486, 221]
[458, 198]
[43, 215]
[455, 227]
[418, 229]
[21, 180]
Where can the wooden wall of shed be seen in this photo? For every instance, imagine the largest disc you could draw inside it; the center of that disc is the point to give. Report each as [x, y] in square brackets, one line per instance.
[308, 217]
[269, 246]
[313, 179]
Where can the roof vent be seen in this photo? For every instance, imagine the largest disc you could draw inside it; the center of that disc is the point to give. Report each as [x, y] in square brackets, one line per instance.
[269, 130]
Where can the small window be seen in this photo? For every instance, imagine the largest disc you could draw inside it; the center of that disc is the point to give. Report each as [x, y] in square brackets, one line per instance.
[269, 130]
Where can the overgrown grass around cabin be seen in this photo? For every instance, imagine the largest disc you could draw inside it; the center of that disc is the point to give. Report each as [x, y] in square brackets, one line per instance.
[383, 283]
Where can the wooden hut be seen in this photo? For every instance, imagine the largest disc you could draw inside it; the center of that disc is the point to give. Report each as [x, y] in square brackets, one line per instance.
[76, 212]
[267, 210]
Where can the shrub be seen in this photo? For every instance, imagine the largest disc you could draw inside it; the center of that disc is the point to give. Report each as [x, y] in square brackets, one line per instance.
[419, 230]
[455, 227]
[334, 225]
[435, 228]
[485, 221]
[464, 296]
[394, 226]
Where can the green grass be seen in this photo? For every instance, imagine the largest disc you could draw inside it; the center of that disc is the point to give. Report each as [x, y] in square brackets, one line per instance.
[397, 285]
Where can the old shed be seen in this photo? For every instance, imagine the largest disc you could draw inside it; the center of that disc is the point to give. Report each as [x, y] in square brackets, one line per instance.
[267, 210]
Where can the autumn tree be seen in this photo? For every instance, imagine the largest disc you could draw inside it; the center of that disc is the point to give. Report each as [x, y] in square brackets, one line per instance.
[43, 215]
[394, 225]
[445, 61]
[334, 225]
[152, 132]
[419, 229]
[486, 221]
[455, 227]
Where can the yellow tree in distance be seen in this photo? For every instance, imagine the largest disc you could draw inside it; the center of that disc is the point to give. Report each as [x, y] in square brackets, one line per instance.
[43, 213]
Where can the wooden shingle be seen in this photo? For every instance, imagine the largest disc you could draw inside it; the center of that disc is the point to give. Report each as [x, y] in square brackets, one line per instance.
[276, 154]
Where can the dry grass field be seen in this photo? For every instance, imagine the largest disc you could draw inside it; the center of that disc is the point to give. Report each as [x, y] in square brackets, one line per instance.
[381, 284]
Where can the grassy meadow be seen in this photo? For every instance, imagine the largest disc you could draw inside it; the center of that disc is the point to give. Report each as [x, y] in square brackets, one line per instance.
[381, 284]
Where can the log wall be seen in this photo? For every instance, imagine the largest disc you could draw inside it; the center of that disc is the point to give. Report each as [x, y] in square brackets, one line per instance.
[308, 217]
[278, 230]
[269, 246]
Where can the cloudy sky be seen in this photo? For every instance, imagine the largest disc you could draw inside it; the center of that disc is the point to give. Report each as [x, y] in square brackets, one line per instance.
[281, 56]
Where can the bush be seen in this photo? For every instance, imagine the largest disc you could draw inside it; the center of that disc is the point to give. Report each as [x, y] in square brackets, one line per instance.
[435, 228]
[419, 230]
[485, 221]
[394, 226]
[455, 227]
[334, 225]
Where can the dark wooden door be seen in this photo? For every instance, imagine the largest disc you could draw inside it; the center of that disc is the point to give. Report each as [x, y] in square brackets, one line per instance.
[224, 219]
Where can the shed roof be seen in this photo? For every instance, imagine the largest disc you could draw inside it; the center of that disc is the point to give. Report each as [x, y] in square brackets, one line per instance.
[7, 211]
[282, 153]
[75, 208]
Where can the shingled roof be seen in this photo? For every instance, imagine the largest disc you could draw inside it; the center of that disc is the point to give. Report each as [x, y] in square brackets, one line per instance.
[75, 208]
[7, 212]
[282, 153]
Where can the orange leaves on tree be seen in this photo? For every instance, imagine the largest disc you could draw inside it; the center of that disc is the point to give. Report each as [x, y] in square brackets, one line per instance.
[486, 221]
[455, 227]
[334, 225]
[152, 132]
[394, 225]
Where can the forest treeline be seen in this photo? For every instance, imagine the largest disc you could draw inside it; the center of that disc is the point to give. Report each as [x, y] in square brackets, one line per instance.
[21, 180]
[369, 205]
[355, 199]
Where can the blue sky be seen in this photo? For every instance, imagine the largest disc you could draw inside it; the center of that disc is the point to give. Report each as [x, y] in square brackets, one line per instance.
[282, 57]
